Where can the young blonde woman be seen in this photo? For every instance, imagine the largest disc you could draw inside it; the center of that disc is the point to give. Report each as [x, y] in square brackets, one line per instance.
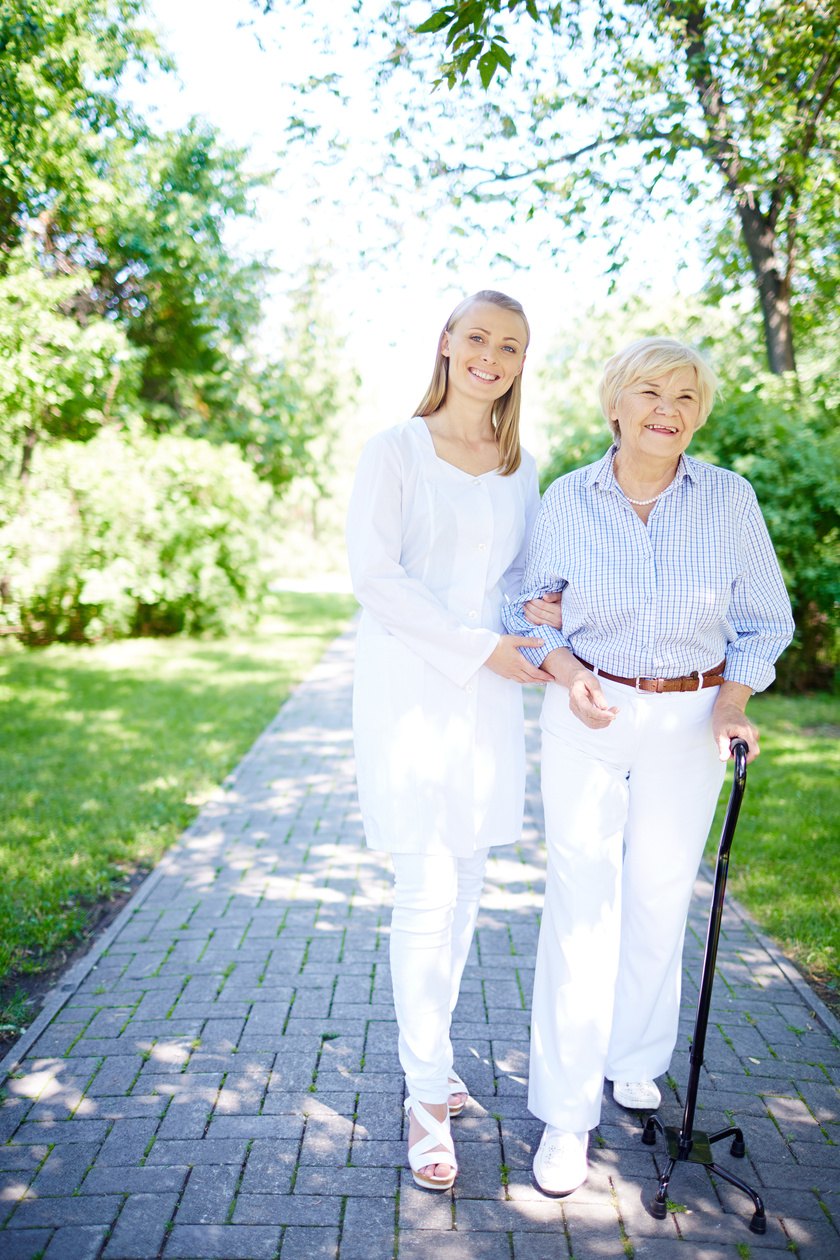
[437, 533]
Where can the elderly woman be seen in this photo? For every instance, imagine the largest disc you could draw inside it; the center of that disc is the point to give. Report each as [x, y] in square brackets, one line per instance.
[674, 611]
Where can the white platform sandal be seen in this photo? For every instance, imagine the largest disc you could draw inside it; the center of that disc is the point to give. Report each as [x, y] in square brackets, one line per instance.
[458, 1087]
[423, 1154]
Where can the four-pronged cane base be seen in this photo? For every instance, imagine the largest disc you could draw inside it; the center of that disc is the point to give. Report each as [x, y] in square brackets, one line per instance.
[699, 1151]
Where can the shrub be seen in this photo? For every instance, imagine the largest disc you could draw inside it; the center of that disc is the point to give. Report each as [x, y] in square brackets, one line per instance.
[129, 535]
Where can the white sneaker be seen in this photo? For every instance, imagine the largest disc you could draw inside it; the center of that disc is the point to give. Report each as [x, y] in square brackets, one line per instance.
[560, 1162]
[637, 1095]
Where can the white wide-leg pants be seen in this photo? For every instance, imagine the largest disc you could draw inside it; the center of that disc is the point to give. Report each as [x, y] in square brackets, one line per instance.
[436, 901]
[627, 813]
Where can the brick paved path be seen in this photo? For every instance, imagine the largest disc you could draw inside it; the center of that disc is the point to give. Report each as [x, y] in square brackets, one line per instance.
[223, 1082]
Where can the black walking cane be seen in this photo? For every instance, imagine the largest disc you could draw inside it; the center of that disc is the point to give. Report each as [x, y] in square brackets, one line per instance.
[689, 1143]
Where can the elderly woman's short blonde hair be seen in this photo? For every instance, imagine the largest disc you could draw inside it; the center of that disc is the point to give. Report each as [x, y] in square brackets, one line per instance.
[647, 359]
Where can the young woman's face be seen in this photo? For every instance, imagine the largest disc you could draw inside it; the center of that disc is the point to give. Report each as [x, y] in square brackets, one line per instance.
[486, 351]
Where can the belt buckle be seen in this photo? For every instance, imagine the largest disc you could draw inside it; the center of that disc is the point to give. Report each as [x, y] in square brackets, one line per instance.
[657, 688]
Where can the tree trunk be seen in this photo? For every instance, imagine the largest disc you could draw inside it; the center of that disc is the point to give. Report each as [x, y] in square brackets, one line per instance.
[9, 224]
[760, 240]
[30, 437]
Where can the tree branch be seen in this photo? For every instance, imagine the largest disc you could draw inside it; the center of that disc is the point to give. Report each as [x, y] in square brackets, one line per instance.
[507, 176]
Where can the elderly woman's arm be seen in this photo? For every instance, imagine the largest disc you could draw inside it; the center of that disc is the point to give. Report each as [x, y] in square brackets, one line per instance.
[729, 720]
[761, 617]
[586, 699]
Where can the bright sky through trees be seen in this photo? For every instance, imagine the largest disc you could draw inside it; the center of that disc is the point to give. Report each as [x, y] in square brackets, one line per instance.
[238, 76]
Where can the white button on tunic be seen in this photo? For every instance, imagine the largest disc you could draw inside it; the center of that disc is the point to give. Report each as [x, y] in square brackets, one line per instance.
[434, 552]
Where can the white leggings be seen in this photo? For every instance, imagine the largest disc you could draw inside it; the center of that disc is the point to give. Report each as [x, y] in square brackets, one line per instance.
[436, 900]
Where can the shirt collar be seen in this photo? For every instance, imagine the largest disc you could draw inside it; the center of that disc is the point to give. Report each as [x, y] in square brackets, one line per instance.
[602, 475]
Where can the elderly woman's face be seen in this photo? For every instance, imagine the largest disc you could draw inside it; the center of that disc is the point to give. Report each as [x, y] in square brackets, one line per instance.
[657, 417]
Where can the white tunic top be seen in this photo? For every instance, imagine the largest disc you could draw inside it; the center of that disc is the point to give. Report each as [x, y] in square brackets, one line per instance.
[434, 553]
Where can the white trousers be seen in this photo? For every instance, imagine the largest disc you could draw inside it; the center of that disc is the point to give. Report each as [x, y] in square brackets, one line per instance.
[436, 900]
[627, 813]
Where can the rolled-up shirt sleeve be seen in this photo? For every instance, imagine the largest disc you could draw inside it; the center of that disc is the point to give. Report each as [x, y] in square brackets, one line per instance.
[760, 609]
[542, 575]
[399, 602]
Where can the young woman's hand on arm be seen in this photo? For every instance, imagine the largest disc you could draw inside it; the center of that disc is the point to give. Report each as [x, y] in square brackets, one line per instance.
[545, 611]
[507, 661]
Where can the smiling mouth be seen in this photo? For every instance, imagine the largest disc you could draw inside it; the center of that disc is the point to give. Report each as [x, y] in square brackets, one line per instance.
[483, 376]
[660, 428]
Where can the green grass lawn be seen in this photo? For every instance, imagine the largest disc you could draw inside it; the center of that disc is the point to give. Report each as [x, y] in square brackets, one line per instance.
[106, 753]
[785, 864]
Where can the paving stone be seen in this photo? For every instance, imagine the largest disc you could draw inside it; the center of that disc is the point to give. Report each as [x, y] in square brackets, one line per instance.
[368, 1154]
[815, 1237]
[47, 1132]
[327, 1141]
[82, 1209]
[127, 1142]
[23, 1158]
[13, 1187]
[64, 1169]
[540, 1246]
[208, 1195]
[222, 1242]
[352, 1181]
[198, 1152]
[423, 1209]
[677, 1249]
[287, 1209]
[74, 1242]
[416, 1244]
[366, 1244]
[13, 1111]
[270, 1167]
[24, 1244]
[145, 1180]
[140, 1230]
[250, 1127]
[301, 1244]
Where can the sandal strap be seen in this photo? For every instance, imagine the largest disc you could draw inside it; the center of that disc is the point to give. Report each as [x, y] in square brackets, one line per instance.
[438, 1133]
[458, 1086]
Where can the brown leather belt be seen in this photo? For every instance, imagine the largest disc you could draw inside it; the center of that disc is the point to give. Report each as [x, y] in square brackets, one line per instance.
[688, 682]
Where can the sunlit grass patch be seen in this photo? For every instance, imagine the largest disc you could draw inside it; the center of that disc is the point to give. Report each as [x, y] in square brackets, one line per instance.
[106, 753]
[786, 856]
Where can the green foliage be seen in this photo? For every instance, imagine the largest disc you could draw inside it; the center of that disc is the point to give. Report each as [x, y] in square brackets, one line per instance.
[160, 264]
[788, 447]
[279, 411]
[109, 750]
[60, 64]
[122, 305]
[128, 534]
[59, 378]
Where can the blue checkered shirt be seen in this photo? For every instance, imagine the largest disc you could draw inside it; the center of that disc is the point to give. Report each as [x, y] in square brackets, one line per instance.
[699, 583]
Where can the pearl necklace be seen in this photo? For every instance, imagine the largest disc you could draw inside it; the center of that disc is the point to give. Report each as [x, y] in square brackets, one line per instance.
[643, 502]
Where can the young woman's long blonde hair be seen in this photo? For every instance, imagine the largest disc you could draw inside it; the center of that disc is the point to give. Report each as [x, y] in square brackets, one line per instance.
[505, 409]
